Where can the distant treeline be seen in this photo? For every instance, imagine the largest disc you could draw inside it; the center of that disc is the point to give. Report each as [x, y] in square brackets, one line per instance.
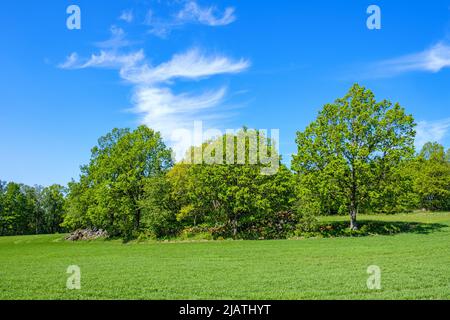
[31, 210]
[358, 156]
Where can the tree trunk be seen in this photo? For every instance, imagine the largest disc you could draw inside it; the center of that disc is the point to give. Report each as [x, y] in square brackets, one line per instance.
[234, 228]
[137, 220]
[353, 224]
[353, 201]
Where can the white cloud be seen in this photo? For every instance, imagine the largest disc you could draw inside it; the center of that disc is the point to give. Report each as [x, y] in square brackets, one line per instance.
[432, 60]
[70, 62]
[189, 65]
[431, 131]
[154, 99]
[191, 13]
[159, 27]
[127, 16]
[105, 59]
[165, 111]
[117, 40]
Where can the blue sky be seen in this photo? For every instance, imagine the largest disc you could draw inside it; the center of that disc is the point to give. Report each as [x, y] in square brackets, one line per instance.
[265, 64]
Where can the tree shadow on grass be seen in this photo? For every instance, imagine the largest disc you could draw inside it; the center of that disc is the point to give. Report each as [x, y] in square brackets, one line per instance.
[370, 228]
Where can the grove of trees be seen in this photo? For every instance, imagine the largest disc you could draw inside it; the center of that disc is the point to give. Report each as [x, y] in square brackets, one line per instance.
[358, 156]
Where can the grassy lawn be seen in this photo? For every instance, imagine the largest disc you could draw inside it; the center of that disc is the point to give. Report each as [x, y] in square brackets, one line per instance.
[414, 265]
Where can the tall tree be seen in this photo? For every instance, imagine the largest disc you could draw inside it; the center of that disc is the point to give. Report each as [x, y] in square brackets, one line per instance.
[352, 146]
[32, 215]
[3, 222]
[52, 206]
[15, 216]
[112, 185]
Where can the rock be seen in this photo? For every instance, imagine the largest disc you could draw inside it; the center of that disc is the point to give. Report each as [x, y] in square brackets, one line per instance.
[87, 234]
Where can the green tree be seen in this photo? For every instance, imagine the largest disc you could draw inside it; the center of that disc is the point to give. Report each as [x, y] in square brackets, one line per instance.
[15, 216]
[32, 215]
[52, 206]
[78, 201]
[231, 195]
[351, 149]
[112, 186]
[2, 205]
[159, 208]
[432, 177]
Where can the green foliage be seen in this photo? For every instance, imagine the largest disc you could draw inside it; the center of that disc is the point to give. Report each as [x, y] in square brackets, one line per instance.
[395, 194]
[158, 209]
[351, 152]
[432, 178]
[196, 233]
[308, 208]
[15, 210]
[77, 204]
[53, 202]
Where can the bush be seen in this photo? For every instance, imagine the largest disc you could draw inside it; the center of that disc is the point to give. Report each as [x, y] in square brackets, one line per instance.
[160, 223]
[308, 223]
[196, 233]
[279, 225]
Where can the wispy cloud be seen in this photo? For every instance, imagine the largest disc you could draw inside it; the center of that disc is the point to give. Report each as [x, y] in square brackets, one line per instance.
[154, 99]
[192, 64]
[433, 60]
[70, 62]
[127, 16]
[104, 59]
[431, 131]
[190, 13]
[117, 40]
[210, 16]
[165, 111]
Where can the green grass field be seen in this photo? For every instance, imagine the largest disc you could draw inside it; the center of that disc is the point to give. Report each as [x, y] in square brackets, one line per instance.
[414, 265]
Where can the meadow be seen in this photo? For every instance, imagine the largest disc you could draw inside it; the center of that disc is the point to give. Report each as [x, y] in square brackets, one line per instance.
[415, 264]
